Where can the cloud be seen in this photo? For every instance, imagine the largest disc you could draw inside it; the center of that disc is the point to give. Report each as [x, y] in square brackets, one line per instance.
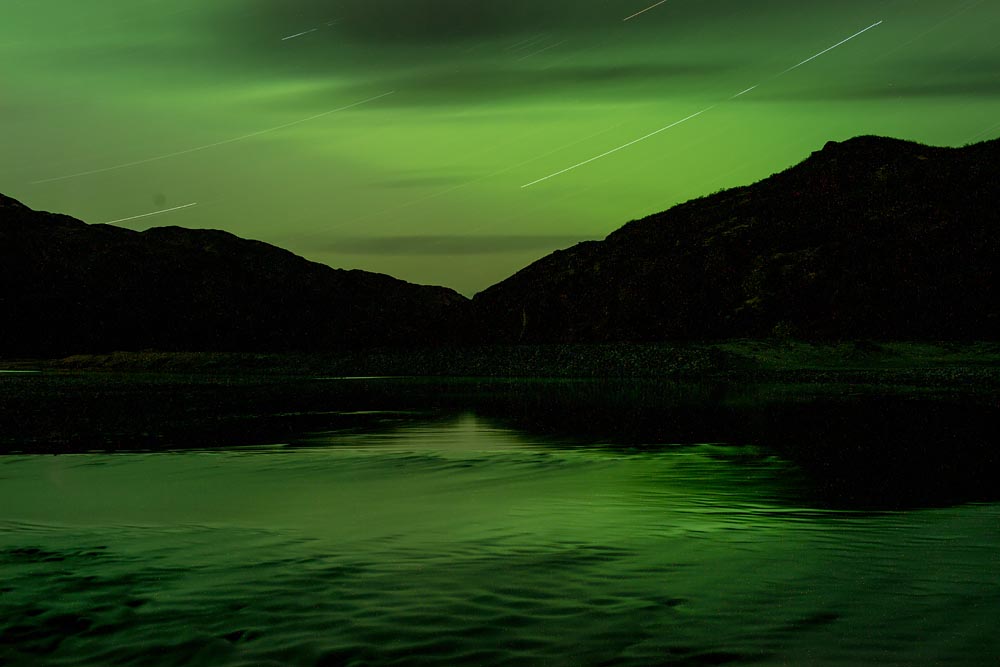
[980, 87]
[909, 78]
[411, 22]
[485, 83]
[972, 88]
[509, 79]
[447, 244]
[434, 20]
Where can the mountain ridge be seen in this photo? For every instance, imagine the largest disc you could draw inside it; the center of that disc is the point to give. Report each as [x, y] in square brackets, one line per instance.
[871, 238]
[866, 238]
[74, 287]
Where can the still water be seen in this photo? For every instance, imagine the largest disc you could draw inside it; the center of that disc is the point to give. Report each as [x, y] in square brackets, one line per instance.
[434, 535]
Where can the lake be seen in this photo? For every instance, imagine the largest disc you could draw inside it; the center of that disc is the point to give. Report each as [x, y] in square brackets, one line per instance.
[327, 521]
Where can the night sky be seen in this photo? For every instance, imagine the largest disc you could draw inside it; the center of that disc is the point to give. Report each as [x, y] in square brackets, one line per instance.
[398, 135]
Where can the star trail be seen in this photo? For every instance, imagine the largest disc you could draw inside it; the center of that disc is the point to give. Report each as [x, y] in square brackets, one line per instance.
[281, 115]
[694, 115]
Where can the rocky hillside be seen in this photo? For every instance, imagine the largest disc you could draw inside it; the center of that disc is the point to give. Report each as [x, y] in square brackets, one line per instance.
[868, 238]
[67, 287]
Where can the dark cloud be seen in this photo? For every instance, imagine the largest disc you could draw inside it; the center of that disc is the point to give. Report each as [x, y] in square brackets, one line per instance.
[473, 83]
[373, 38]
[976, 64]
[492, 79]
[413, 23]
[980, 88]
[448, 245]
[434, 21]
[986, 87]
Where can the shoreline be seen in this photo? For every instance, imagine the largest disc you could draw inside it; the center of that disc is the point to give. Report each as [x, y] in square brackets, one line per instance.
[925, 364]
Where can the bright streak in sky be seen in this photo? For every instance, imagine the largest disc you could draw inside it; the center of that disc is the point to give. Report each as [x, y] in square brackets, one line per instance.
[212, 145]
[481, 178]
[615, 150]
[655, 132]
[299, 34]
[146, 215]
[644, 10]
[831, 48]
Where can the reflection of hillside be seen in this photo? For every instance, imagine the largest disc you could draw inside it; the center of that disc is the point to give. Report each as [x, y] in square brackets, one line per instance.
[861, 446]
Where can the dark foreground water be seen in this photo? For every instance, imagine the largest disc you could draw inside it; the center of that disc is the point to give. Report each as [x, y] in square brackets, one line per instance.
[504, 533]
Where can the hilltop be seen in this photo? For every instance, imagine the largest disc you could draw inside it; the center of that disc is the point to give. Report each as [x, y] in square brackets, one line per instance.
[69, 287]
[870, 238]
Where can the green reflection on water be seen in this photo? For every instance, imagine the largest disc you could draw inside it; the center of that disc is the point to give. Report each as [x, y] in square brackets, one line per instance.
[458, 541]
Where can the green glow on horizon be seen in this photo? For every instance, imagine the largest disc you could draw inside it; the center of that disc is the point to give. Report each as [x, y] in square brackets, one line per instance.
[485, 101]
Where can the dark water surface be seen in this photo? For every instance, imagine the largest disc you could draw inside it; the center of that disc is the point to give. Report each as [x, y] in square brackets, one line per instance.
[380, 522]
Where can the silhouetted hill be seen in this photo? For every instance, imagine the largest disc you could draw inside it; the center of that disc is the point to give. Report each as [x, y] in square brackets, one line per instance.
[869, 238]
[66, 286]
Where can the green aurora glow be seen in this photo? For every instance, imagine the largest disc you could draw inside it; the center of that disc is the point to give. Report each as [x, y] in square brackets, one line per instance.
[425, 184]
